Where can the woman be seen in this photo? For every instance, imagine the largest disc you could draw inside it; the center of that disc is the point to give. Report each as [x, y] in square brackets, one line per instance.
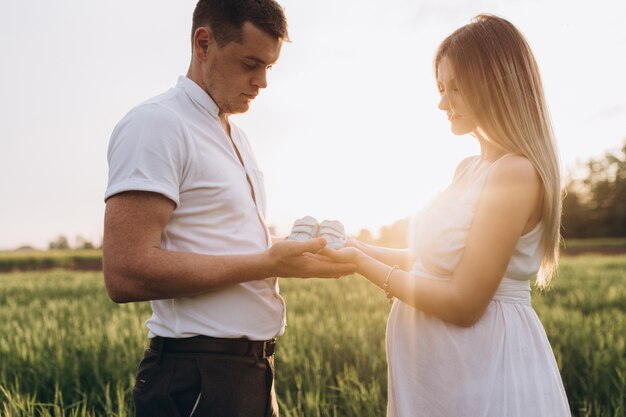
[462, 337]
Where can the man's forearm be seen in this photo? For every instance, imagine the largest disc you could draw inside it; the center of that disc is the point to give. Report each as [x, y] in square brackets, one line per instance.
[158, 274]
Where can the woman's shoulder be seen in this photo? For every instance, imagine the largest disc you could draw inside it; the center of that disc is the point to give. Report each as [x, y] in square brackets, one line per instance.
[514, 171]
[515, 166]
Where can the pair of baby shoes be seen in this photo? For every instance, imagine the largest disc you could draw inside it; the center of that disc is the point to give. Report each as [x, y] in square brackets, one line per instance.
[308, 228]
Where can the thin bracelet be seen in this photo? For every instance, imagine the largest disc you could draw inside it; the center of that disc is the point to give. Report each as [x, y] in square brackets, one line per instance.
[386, 284]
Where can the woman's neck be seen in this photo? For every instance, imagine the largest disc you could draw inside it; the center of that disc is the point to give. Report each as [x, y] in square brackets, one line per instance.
[489, 151]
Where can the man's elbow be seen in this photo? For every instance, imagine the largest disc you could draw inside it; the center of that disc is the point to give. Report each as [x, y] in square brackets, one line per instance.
[119, 287]
[116, 292]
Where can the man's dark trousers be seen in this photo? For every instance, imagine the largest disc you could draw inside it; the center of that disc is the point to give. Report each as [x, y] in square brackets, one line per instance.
[206, 377]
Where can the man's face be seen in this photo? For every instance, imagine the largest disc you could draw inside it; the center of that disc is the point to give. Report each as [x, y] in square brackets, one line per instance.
[236, 72]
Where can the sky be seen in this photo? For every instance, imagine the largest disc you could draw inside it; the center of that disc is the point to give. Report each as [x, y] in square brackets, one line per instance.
[348, 128]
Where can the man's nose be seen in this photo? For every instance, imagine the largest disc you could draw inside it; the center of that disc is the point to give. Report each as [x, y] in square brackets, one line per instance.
[260, 80]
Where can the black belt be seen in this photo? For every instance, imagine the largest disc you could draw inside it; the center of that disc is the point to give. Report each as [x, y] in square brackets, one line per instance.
[205, 344]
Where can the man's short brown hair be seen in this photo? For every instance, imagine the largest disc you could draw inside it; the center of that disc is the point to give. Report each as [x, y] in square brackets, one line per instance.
[226, 17]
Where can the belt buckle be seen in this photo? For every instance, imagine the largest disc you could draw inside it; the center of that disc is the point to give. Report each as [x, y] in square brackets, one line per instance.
[265, 344]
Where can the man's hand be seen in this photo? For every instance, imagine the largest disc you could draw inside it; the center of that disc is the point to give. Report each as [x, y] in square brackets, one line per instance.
[301, 259]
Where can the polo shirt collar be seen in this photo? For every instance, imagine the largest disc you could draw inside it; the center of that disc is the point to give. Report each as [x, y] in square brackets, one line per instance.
[198, 95]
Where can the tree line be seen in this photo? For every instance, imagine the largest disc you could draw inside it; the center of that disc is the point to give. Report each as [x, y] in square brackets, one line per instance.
[595, 203]
[62, 243]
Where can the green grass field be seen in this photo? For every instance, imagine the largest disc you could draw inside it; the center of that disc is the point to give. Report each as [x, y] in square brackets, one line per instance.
[67, 350]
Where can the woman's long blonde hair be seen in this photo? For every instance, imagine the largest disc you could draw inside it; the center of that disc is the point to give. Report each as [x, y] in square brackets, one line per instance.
[498, 78]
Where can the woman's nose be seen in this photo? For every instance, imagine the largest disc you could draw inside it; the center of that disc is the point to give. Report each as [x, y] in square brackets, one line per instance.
[443, 102]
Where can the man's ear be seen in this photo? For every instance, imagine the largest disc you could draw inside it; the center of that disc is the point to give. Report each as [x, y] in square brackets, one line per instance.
[202, 41]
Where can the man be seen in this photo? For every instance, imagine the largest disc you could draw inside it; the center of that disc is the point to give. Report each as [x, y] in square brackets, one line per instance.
[185, 226]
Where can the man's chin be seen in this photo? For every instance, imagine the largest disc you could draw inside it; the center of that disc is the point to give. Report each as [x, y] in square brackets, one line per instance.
[240, 108]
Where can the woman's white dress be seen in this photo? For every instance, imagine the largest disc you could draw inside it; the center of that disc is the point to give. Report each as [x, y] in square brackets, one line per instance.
[503, 366]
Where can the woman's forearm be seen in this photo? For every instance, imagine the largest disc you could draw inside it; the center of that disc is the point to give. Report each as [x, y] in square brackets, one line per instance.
[388, 256]
[438, 298]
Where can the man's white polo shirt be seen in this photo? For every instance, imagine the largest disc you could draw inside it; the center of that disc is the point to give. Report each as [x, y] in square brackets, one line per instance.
[174, 145]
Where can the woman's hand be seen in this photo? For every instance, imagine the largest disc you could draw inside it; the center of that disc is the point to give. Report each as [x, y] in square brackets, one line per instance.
[352, 243]
[348, 254]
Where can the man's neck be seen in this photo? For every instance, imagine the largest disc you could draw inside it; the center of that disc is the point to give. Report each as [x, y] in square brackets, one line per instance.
[191, 74]
[225, 123]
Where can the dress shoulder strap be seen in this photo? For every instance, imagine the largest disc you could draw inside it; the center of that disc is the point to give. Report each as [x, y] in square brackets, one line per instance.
[465, 165]
[476, 188]
[494, 163]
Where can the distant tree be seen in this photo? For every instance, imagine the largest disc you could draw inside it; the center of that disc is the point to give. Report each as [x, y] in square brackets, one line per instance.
[595, 206]
[394, 236]
[88, 245]
[82, 243]
[365, 236]
[60, 243]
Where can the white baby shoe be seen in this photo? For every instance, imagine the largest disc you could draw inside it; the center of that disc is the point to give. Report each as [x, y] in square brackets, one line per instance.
[304, 229]
[334, 234]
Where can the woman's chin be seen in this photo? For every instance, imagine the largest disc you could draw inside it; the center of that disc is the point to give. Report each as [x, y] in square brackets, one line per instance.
[459, 131]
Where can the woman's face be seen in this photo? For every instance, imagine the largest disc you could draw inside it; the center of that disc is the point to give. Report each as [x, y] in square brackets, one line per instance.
[461, 118]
